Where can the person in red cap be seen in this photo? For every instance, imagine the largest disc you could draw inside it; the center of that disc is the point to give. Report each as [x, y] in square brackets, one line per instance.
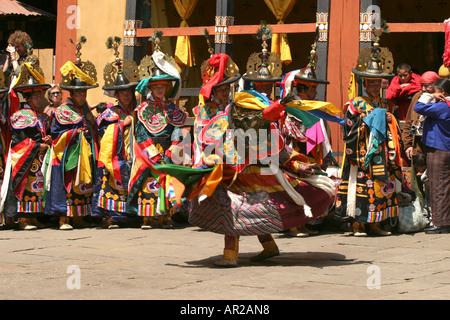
[402, 88]
[412, 131]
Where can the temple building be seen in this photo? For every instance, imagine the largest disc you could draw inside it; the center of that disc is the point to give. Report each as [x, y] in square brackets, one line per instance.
[416, 35]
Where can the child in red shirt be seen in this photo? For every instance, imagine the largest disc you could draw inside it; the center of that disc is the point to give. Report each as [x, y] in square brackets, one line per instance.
[402, 88]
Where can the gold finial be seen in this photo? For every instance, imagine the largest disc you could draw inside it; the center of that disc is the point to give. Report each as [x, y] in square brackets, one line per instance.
[78, 47]
[208, 41]
[156, 38]
[114, 43]
[264, 33]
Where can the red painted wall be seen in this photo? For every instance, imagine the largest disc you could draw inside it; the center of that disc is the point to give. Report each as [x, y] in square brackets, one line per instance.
[343, 53]
[66, 29]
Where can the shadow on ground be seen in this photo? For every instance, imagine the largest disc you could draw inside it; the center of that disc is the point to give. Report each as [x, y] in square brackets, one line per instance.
[285, 259]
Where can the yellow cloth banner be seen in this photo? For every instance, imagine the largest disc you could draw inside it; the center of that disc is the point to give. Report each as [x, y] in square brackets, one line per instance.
[307, 105]
[248, 101]
[281, 9]
[70, 67]
[184, 55]
[280, 46]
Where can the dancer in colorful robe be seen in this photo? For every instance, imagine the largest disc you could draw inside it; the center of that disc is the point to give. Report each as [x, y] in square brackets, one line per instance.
[115, 131]
[262, 187]
[157, 137]
[219, 73]
[307, 132]
[371, 169]
[74, 151]
[23, 187]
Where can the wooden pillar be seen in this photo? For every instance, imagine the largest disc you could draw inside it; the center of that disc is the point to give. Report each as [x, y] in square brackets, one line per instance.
[343, 54]
[66, 28]
[323, 9]
[133, 21]
[365, 38]
[224, 19]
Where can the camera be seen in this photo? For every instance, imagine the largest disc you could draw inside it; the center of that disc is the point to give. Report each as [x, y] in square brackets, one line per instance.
[416, 131]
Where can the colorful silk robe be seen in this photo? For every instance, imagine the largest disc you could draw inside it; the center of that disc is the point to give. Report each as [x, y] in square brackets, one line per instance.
[257, 203]
[253, 198]
[307, 133]
[157, 135]
[114, 165]
[23, 187]
[203, 114]
[73, 163]
[371, 167]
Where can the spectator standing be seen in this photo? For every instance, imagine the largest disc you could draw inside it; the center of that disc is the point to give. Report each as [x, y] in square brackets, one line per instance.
[20, 50]
[412, 132]
[402, 88]
[436, 135]
[54, 98]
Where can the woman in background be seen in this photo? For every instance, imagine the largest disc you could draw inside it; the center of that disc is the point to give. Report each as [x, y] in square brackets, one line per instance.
[54, 98]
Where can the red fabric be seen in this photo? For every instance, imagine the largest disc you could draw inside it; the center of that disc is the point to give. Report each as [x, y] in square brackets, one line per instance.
[274, 112]
[429, 77]
[219, 61]
[395, 91]
[446, 55]
[15, 102]
[403, 106]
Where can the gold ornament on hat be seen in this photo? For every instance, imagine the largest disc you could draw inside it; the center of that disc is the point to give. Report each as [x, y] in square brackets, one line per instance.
[33, 72]
[208, 71]
[86, 66]
[119, 66]
[376, 60]
[147, 65]
[307, 75]
[264, 64]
